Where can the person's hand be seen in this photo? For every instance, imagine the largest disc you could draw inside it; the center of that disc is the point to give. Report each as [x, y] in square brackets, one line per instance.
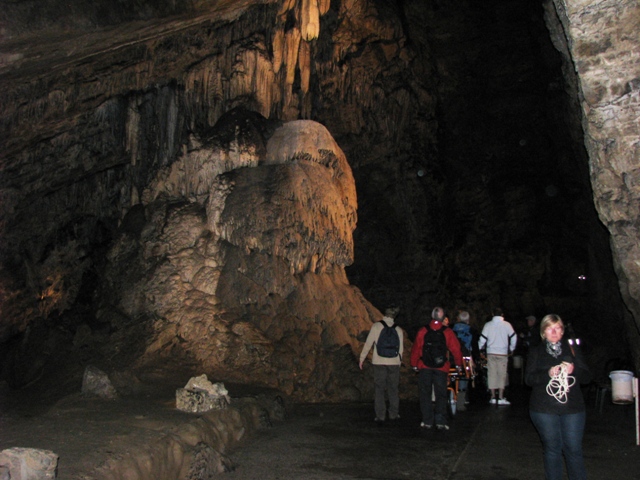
[361, 365]
[553, 371]
[570, 367]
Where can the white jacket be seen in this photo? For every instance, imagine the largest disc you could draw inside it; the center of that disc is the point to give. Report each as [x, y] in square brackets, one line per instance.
[498, 336]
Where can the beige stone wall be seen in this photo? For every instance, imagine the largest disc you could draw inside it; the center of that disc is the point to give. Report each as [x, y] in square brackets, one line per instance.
[604, 47]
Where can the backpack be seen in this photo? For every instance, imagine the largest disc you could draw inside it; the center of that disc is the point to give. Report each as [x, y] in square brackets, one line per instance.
[434, 349]
[463, 332]
[388, 344]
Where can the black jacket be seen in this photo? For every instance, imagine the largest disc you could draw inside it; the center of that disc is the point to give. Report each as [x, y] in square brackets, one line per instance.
[537, 377]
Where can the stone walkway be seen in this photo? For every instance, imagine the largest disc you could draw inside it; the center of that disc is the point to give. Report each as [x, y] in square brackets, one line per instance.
[323, 442]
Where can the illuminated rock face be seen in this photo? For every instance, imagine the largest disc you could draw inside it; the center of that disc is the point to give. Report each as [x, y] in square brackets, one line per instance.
[239, 268]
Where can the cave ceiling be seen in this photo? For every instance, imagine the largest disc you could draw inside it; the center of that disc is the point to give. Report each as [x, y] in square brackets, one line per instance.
[487, 170]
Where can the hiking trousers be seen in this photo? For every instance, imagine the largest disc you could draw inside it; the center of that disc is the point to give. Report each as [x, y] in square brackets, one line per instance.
[429, 379]
[386, 379]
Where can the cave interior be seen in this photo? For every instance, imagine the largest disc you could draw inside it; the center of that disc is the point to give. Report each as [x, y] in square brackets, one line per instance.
[146, 228]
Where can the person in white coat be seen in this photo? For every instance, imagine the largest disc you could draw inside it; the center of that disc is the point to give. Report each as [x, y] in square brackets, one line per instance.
[500, 339]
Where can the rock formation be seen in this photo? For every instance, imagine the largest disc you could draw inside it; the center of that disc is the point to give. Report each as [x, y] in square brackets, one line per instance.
[239, 266]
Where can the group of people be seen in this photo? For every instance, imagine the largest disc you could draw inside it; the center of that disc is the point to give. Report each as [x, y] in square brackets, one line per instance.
[554, 371]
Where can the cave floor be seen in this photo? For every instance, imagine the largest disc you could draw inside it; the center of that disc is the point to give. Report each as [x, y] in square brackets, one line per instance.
[332, 441]
[323, 442]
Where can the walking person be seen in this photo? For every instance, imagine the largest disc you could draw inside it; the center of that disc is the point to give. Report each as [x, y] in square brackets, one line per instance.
[430, 357]
[499, 338]
[388, 340]
[529, 336]
[555, 370]
[465, 335]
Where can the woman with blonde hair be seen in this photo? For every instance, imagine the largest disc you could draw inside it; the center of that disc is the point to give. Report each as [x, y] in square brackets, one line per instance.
[555, 370]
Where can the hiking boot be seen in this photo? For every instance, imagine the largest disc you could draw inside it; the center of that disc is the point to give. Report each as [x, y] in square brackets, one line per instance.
[442, 427]
[503, 401]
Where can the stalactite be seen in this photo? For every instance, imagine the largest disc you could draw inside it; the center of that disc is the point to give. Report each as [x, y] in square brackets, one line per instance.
[324, 6]
[265, 80]
[286, 6]
[132, 130]
[278, 49]
[310, 19]
[292, 44]
[304, 64]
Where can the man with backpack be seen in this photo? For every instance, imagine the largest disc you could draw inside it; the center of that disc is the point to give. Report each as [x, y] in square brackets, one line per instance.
[430, 356]
[387, 358]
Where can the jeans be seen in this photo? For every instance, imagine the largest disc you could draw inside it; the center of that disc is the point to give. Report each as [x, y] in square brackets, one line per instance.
[561, 434]
[386, 379]
[439, 380]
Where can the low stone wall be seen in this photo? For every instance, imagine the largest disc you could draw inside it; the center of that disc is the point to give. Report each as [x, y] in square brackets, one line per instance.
[196, 450]
[90, 438]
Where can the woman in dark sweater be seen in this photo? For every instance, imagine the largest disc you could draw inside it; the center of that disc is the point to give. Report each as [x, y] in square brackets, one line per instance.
[555, 371]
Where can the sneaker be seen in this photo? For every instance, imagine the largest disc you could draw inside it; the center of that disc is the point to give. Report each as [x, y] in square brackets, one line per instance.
[377, 420]
[425, 425]
[503, 401]
[394, 418]
[442, 427]
[493, 401]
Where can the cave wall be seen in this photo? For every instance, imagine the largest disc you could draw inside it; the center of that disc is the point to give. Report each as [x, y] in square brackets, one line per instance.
[602, 54]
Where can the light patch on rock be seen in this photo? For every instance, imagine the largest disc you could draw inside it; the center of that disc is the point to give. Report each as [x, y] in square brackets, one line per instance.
[201, 395]
[96, 382]
[28, 463]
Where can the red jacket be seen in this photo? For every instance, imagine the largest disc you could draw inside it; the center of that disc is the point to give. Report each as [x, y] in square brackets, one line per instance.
[452, 344]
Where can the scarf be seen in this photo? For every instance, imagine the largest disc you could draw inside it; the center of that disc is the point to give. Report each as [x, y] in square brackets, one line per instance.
[554, 349]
